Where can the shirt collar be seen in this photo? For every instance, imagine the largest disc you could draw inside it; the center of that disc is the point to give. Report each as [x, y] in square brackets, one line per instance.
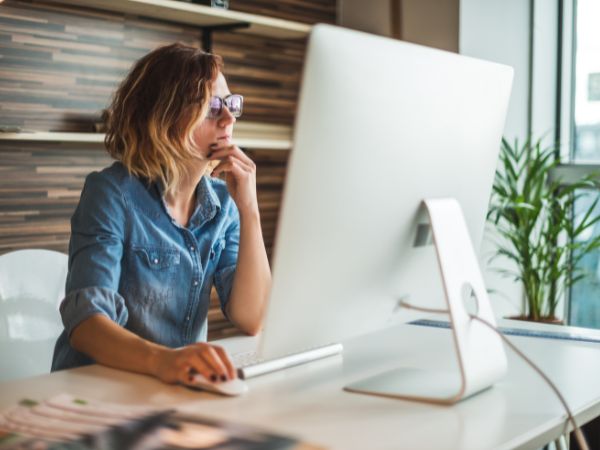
[207, 202]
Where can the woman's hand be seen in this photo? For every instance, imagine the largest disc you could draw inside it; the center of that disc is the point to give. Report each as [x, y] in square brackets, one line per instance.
[240, 173]
[179, 365]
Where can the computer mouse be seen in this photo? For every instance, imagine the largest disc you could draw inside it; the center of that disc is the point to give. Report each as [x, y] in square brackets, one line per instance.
[231, 388]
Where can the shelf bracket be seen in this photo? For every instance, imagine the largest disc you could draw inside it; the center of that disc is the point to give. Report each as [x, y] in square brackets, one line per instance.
[208, 31]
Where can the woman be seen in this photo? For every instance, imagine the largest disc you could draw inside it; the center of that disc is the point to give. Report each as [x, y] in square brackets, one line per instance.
[152, 233]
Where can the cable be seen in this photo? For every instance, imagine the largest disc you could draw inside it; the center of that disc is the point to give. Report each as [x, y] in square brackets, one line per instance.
[578, 434]
[403, 304]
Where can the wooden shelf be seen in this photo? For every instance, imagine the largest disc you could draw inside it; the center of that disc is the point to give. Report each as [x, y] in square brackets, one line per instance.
[246, 135]
[53, 136]
[200, 15]
[262, 136]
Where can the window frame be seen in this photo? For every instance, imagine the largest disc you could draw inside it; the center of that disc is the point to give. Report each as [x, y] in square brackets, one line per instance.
[568, 169]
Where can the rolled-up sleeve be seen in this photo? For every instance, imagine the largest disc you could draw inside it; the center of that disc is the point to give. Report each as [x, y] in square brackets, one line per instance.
[80, 304]
[95, 254]
[227, 264]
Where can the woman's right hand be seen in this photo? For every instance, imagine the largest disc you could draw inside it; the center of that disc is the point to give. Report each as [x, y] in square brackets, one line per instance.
[179, 365]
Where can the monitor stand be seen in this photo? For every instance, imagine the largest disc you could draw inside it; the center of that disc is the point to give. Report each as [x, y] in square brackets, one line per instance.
[480, 353]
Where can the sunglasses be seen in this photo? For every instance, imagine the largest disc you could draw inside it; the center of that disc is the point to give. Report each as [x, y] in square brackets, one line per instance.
[234, 103]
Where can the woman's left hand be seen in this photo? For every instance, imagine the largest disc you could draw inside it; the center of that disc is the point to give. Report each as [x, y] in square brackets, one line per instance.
[240, 173]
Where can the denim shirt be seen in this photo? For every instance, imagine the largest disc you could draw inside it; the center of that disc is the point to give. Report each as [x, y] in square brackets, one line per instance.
[132, 262]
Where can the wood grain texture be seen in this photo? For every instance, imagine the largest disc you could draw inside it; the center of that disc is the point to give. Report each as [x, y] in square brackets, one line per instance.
[39, 189]
[307, 11]
[59, 66]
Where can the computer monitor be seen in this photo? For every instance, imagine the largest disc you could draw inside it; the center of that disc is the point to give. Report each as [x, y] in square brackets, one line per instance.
[381, 125]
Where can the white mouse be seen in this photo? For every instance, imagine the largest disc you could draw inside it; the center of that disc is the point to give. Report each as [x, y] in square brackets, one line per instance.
[232, 387]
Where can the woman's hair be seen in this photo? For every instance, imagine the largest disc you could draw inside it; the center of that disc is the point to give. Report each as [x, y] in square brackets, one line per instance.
[155, 110]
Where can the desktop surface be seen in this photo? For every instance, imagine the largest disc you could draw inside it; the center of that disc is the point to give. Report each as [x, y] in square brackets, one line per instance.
[308, 402]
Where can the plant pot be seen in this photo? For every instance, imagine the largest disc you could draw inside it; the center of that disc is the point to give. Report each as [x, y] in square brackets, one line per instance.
[549, 320]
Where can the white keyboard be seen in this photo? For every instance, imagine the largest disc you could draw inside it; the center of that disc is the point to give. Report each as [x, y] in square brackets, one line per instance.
[250, 365]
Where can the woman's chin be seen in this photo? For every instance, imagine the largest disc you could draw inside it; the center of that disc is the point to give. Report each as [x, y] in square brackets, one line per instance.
[225, 141]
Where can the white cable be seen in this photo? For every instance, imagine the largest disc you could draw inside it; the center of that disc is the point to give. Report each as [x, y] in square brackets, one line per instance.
[578, 434]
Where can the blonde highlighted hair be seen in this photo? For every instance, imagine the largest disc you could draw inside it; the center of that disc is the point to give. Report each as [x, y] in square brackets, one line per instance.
[155, 110]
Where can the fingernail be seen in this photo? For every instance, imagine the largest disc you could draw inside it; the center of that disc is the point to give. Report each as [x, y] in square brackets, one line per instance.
[213, 378]
[223, 377]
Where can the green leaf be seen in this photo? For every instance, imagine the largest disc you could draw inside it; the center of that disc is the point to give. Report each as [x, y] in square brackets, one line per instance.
[533, 214]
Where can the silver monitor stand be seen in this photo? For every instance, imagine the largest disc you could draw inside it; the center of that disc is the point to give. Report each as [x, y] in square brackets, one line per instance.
[480, 353]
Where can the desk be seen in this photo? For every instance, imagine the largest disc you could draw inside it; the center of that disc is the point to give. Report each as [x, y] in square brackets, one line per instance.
[308, 401]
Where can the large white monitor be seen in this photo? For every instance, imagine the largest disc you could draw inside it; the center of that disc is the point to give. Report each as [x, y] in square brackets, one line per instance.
[381, 126]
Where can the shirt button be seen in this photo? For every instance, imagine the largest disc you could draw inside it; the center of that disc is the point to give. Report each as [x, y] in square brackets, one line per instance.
[155, 260]
[195, 282]
[187, 318]
[192, 248]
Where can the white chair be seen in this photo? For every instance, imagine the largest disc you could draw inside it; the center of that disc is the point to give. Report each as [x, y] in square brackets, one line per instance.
[32, 284]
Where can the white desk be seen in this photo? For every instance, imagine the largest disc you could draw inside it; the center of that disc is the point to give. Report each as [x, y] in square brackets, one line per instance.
[308, 401]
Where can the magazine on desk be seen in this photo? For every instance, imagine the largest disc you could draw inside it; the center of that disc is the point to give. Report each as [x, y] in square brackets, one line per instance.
[65, 422]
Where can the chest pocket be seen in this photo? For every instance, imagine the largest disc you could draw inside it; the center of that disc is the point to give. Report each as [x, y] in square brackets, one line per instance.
[158, 258]
[151, 277]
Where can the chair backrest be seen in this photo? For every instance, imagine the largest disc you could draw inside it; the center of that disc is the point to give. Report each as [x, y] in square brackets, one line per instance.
[32, 284]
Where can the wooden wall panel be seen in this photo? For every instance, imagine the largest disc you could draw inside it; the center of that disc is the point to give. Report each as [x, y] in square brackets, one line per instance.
[39, 189]
[266, 72]
[60, 65]
[58, 68]
[308, 11]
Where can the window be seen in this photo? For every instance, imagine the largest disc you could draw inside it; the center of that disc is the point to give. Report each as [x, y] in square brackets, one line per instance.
[586, 82]
[584, 310]
[581, 120]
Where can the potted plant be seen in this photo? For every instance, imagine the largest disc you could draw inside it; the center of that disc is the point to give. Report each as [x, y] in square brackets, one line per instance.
[533, 213]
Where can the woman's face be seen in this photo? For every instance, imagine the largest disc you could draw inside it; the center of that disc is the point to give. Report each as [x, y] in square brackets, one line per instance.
[214, 133]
